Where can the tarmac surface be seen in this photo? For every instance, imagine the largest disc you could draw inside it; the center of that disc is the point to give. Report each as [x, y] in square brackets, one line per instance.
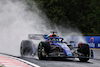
[35, 62]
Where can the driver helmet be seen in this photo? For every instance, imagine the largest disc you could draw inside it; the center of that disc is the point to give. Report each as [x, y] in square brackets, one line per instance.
[53, 35]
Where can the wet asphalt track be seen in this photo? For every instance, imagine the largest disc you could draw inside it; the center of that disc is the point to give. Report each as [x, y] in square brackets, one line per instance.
[68, 62]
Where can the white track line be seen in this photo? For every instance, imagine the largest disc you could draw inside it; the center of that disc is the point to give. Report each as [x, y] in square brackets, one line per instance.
[31, 64]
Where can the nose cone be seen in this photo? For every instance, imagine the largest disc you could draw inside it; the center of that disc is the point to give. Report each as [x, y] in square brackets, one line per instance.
[65, 48]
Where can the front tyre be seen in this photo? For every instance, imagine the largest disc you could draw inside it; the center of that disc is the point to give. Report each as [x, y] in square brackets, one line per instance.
[41, 53]
[83, 59]
[43, 50]
[85, 50]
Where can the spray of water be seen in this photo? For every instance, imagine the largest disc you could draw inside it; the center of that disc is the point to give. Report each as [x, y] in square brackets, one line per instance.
[70, 34]
[16, 22]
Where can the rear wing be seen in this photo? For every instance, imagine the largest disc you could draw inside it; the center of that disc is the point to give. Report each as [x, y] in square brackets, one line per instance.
[37, 36]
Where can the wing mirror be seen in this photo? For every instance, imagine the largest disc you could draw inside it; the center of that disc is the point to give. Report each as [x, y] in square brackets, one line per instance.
[62, 40]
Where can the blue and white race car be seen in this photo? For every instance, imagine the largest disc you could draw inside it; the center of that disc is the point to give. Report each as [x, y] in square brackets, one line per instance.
[54, 47]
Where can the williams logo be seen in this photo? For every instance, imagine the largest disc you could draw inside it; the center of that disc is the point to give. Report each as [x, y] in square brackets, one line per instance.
[91, 40]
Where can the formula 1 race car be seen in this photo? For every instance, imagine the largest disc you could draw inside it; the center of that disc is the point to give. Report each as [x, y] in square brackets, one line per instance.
[54, 47]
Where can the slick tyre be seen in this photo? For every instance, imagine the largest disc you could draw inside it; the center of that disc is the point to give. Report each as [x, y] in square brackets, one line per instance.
[26, 48]
[43, 50]
[85, 50]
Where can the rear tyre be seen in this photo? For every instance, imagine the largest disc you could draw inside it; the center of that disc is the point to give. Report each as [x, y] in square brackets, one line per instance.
[26, 48]
[43, 50]
[85, 50]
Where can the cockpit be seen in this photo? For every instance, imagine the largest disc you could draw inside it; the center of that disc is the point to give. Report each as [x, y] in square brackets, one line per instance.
[55, 39]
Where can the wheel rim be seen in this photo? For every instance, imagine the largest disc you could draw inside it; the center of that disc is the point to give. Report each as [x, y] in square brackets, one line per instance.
[41, 52]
